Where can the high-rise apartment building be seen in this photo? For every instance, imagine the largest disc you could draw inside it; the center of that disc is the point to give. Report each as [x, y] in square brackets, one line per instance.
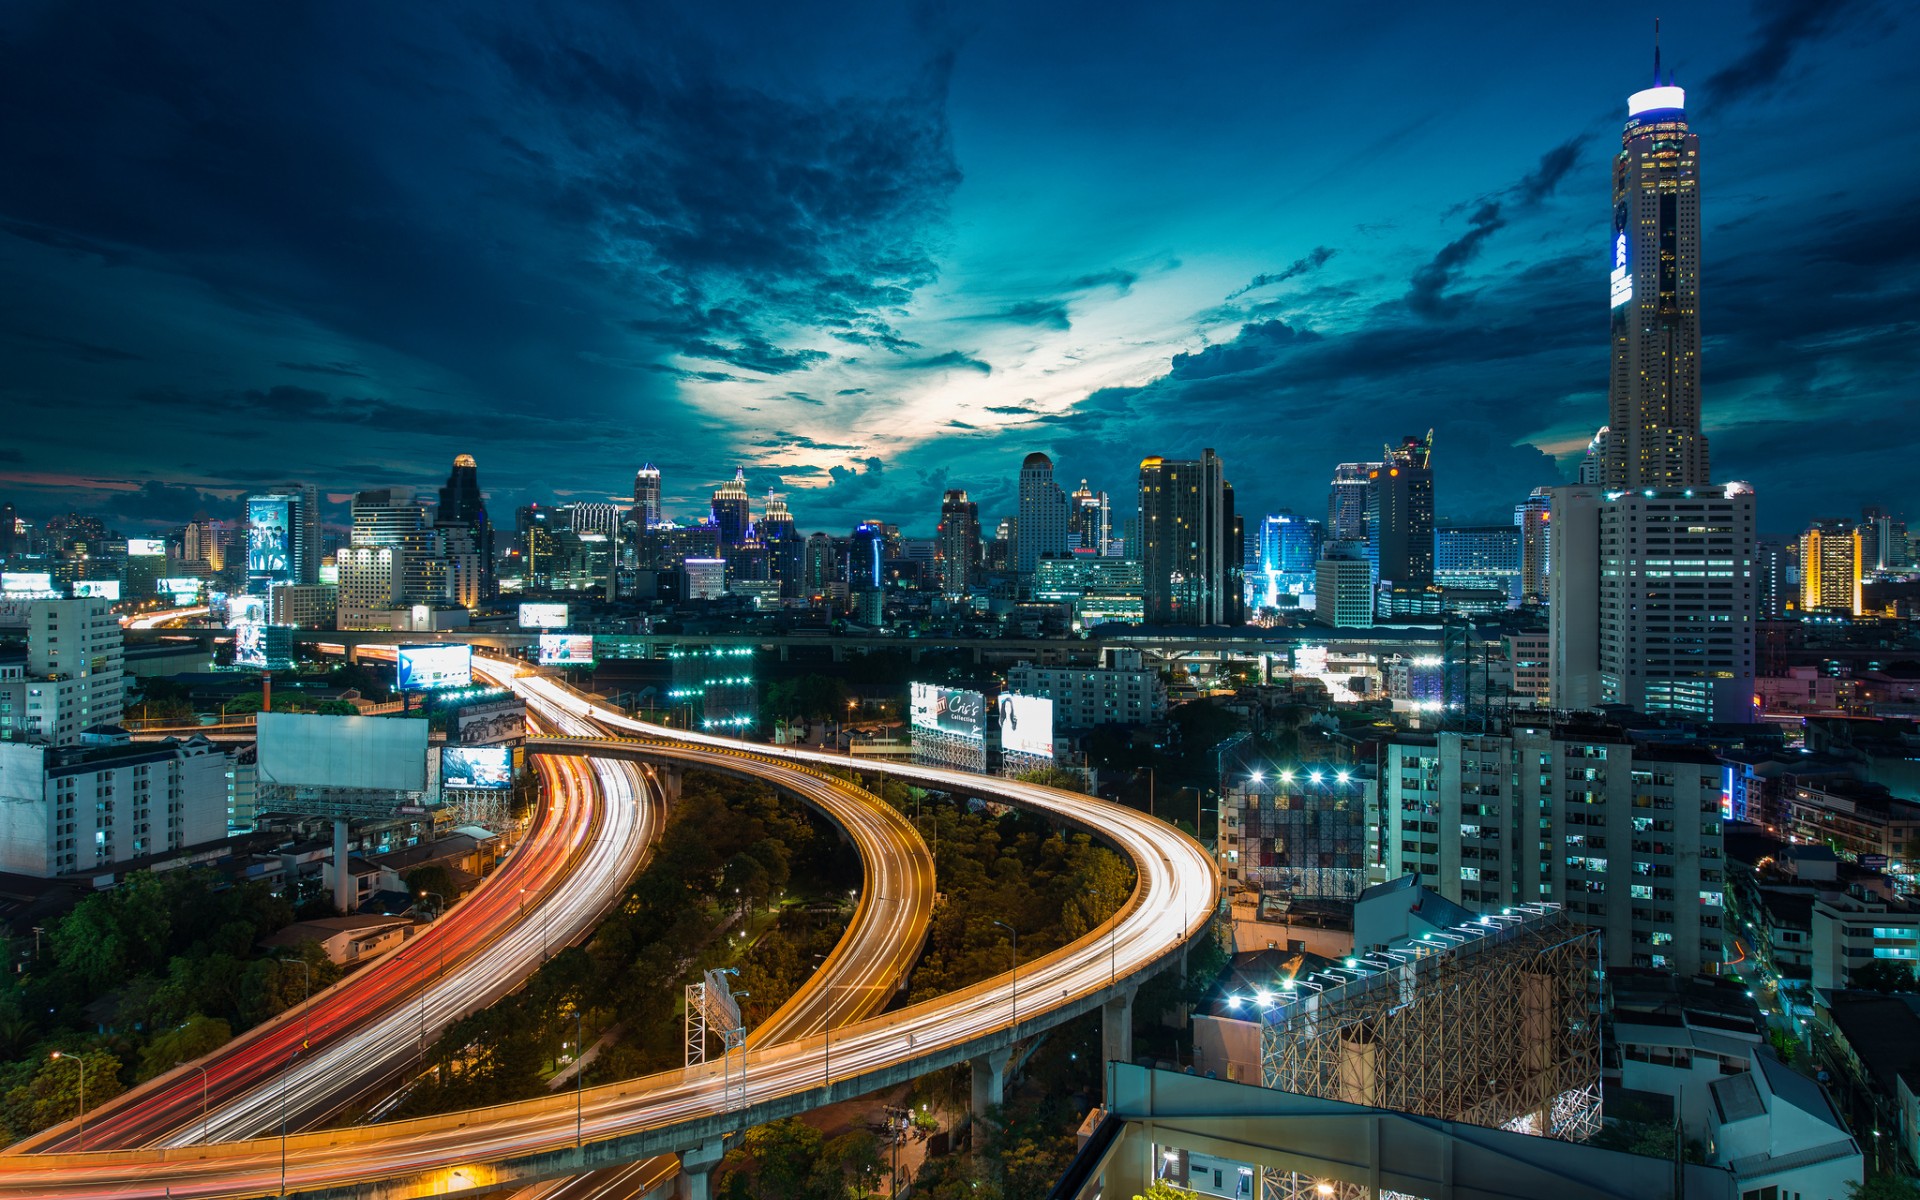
[74, 676]
[1626, 836]
[1343, 587]
[1829, 570]
[1653, 428]
[1533, 517]
[1593, 465]
[85, 809]
[1192, 562]
[1772, 570]
[1347, 501]
[1652, 588]
[1400, 516]
[1479, 558]
[1042, 528]
[646, 497]
[732, 510]
[1089, 521]
[956, 552]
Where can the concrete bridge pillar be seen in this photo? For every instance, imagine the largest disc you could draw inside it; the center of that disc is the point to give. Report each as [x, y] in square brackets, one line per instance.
[990, 1080]
[696, 1169]
[1116, 1028]
[670, 776]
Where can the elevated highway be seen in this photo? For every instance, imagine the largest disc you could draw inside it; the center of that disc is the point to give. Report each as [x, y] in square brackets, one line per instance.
[691, 1112]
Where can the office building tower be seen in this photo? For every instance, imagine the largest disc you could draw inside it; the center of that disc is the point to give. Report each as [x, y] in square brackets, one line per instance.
[1089, 521]
[1774, 593]
[1651, 585]
[1653, 427]
[785, 548]
[1892, 546]
[1829, 572]
[868, 552]
[957, 542]
[9, 529]
[1533, 518]
[1102, 591]
[1042, 527]
[1343, 587]
[1400, 516]
[1482, 558]
[1593, 465]
[732, 510]
[1347, 501]
[282, 536]
[646, 497]
[1285, 555]
[1625, 835]
[822, 565]
[533, 529]
[1192, 564]
[462, 518]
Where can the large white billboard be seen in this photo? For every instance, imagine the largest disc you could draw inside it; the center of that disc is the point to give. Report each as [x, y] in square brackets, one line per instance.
[542, 616]
[27, 583]
[1026, 724]
[246, 610]
[954, 711]
[99, 589]
[146, 548]
[361, 753]
[183, 589]
[429, 668]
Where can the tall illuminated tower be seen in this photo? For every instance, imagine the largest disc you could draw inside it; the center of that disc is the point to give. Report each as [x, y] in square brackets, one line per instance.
[1654, 437]
[732, 510]
[646, 497]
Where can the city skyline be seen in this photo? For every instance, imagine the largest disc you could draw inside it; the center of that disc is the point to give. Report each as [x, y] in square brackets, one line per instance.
[1296, 307]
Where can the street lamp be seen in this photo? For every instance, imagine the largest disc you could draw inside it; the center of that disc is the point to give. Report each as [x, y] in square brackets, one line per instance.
[203, 1098]
[82, 1064]
[579, 1078]
[442, 910]
[306, 999]
[1013, 991]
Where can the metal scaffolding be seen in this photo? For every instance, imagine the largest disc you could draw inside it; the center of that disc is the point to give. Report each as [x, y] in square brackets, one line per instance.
[1494, 1022]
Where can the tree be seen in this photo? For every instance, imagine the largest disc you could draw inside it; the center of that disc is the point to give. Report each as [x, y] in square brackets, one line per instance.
[1884, 1187]
[1054, 777]
[1160, 1189]
[196, 1036]
[1882, 975]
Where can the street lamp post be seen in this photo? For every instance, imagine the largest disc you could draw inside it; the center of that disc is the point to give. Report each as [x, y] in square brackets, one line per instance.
[579, 1079]
[203, 1098]
[82, 1064]
[442, 910]
[306, 998]
[1013, 991]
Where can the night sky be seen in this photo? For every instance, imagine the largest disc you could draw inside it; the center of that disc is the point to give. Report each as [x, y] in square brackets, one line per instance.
[872, 251]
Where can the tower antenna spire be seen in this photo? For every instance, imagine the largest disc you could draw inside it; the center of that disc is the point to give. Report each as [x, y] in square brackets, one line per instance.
[1656, 52]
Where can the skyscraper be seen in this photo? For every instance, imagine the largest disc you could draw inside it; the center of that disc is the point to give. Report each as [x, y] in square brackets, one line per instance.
[1534, 517]
[868, 552]
[283, 536]
[1651, 582]
[1653, 428]
[1347, 501]
[1089, 520]
[784, 547]
[1192, 563]
[1593, 465]
[1400, 515]
[957, 543]
[646, 497]
[732, 510]
[462, 507]
[1042, 528]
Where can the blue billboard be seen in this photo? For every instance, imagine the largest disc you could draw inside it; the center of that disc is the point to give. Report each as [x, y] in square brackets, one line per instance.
[430, 668]
[270, 539]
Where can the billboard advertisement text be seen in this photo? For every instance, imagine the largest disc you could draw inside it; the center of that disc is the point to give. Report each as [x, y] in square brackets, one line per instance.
[488, 768]
[429, 668]
[954, 711]
[100, 589]
[566, 649]
[491, 724]
[182, 589]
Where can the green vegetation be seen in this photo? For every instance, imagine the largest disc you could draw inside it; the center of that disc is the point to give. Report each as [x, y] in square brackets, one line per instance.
[812, 697]
[730, 847]
[156, 971]
[1882, 975]
[791, 1160]
[1884, 1187]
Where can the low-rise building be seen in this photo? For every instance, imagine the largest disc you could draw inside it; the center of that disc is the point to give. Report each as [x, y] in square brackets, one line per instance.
[1779, 1134]
[1125, 692]
[346, 940]
[1854, 928]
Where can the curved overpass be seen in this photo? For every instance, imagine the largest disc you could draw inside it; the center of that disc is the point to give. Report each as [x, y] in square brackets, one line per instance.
[692, 1110]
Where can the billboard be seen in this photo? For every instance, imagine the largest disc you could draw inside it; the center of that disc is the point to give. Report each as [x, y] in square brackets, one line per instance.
[954, 711]
[270, 538]
[1026, 724]
[566, 649]
[543, 616]
[183, 590]
[146, 548]
[246, 610]
[489, 768]
[26, 583]
[490, 724]
[427, 668]
[353, 753]
[102, 589]
[250, 644]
